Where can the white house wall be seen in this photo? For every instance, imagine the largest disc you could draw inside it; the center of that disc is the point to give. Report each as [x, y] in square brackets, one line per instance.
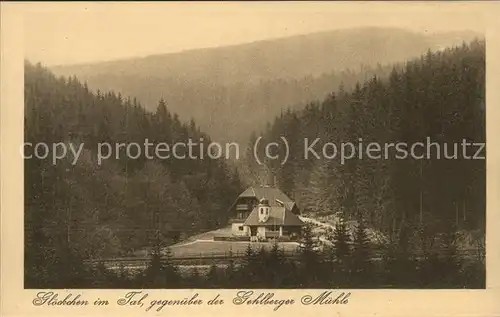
[235, 229]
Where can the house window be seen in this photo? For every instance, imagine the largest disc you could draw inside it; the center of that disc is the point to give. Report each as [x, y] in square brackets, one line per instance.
[240, 228]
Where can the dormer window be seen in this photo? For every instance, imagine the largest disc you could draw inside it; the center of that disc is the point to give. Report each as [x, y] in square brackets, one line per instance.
[263, 210]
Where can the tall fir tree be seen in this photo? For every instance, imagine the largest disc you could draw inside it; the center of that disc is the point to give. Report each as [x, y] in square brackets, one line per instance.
[310, 262]
[361, 256]
[342, 249]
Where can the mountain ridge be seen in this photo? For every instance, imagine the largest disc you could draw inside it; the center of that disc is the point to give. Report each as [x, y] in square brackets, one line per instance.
[234, 90]
[470, 33]
[256, 48]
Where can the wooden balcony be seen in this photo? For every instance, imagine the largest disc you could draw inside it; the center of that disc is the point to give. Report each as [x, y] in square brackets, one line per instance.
[242, 207]
[236, 220]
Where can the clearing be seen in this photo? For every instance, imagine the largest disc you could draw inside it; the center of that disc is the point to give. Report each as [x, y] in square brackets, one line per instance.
[206, 248]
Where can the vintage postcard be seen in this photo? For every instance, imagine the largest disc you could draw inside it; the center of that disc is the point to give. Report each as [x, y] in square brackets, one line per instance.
[250, 158]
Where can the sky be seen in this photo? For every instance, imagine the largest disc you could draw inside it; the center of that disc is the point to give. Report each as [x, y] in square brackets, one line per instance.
[72, 33]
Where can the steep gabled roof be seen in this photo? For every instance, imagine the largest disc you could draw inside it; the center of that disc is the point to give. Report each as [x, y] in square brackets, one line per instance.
[271, 193]
[278, 215]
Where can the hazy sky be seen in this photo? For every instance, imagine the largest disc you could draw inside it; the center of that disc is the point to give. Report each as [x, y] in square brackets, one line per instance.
[59, 33]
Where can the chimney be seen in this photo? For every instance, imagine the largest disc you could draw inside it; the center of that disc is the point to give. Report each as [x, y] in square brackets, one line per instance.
[270, 178]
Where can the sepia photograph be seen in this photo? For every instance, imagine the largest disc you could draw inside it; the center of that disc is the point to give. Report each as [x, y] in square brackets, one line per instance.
[216, 146]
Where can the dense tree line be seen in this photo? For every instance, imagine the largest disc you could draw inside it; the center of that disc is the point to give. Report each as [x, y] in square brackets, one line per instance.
[89, 210]
[75, 213]
[345, 264]
[438, 96]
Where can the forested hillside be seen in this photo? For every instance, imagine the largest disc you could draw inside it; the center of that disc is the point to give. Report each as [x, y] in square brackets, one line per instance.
[231, 91]
[120, 205]
[441, 96]
[92, 210]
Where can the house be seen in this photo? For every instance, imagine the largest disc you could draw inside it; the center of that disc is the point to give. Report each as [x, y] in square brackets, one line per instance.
[265, 212]
[267, 221]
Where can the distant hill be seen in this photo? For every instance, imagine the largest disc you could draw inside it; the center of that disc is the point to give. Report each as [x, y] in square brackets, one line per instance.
[231, 91]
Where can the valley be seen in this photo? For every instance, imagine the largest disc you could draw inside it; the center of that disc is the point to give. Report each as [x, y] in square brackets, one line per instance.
[216, 223]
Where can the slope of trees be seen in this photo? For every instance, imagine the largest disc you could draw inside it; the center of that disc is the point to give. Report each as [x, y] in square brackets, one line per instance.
[438, 96]
[90, 210]
[87, 210]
